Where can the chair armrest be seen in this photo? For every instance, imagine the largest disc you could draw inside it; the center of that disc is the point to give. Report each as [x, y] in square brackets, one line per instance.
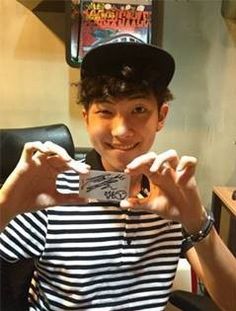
[15, 281]
[187, 301]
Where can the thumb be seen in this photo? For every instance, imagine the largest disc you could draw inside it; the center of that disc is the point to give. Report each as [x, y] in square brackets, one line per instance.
[64, 199]
[134, 203]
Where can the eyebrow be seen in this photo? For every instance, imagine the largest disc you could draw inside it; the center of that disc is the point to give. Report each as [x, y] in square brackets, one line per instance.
[111, 100]
[138, 96]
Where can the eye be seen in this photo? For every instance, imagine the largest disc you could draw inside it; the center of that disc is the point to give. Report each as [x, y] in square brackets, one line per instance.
[140, 109]
[104, 112]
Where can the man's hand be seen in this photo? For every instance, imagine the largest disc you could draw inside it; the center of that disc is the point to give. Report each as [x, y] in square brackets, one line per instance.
[173, 189]
[32, 184]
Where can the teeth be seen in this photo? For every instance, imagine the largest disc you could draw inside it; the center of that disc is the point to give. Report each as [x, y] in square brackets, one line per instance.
[127, 147]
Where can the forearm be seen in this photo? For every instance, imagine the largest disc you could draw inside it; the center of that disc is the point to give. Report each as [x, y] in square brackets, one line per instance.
[5, 211]
[219, 270]
[10, 200]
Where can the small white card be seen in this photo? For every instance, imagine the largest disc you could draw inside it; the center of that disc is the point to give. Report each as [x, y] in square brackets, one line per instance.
[104, 185]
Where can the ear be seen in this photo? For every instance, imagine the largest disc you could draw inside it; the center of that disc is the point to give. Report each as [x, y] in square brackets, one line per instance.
[85, 116]
[163, 112]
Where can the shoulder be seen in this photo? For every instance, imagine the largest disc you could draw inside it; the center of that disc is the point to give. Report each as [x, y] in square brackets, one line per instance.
[35, 221]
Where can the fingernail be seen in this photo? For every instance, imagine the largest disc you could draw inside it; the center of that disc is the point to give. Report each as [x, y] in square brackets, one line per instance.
[125, 204]
[179, 168]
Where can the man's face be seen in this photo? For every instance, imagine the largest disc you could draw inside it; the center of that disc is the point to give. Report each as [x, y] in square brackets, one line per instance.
[122, 129]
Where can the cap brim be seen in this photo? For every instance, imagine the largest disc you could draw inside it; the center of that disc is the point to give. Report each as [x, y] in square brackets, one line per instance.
[109, 59]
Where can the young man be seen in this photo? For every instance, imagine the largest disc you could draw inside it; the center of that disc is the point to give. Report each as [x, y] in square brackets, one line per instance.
[95, 256]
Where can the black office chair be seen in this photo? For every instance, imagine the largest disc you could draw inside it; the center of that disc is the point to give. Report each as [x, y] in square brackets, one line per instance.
[187, 301]
[12, 142]
[15, 277]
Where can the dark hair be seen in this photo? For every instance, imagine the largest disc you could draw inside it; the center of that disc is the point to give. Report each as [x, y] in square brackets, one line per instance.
[128, 82]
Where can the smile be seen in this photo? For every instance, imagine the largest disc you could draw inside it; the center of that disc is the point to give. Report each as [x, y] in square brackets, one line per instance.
[123, 147]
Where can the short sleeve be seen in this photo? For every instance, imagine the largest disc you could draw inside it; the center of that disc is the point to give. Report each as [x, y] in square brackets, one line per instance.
[24, 237]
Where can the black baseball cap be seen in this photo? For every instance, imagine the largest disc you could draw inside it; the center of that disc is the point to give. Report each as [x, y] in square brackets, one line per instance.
[109, 59]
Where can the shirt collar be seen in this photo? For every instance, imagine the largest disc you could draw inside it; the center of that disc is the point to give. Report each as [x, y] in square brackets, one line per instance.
[94, 160]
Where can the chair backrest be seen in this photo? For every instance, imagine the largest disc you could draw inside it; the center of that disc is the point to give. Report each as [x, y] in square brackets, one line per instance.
[15, 277]
[12, 142]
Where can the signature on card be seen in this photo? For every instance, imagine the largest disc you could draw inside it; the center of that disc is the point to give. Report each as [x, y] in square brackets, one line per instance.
[105, 185]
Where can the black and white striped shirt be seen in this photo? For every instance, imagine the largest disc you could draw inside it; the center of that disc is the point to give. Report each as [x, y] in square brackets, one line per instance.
[95, 258]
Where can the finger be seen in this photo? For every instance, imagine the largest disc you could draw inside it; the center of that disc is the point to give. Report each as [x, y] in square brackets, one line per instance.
[68, 199]
[140, 202]
[186, 161]
[54, 154]
[168, 159]
[77, 166]
[185, 175]
[158, 204]
[186, 169]
[142, 160]
[154, 161]
[30, 148]
[133, 203]
[59, 165]
[44, 201]
[165, 180]
[58, 150]
[39, 149]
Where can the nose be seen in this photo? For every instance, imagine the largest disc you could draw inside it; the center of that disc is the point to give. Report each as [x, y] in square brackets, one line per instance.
[121, 127]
